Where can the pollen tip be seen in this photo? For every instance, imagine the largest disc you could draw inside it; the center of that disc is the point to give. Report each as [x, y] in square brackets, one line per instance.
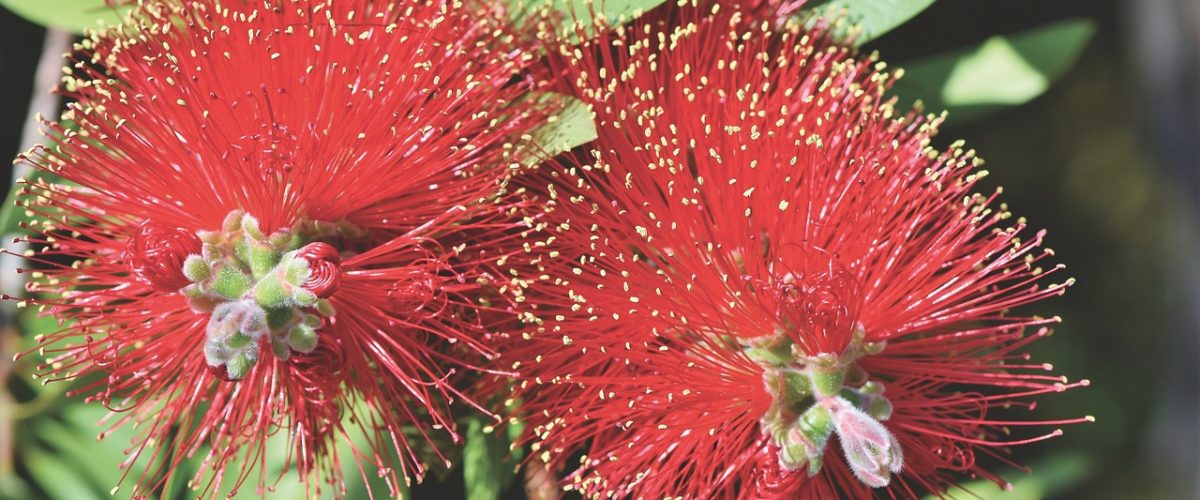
[1089, 419]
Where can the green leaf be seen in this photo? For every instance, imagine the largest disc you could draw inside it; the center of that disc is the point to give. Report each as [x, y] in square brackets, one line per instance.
[71, 15]
[33, 324]
[376, 484]
[66, 440]
[869, 19]
[572, 126]
[76, 446]
[48, 472]
[1050, 477]
[11, 216]
[290, 485]
[12, 487]
[611, 12]
[1002, 71]
[484, 466]
[515, 429]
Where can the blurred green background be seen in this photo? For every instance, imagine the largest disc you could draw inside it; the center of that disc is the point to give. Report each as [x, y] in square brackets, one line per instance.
[1106, 161]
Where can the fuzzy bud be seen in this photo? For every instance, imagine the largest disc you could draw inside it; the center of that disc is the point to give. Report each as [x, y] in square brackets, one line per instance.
[872, 452]
[232, 338]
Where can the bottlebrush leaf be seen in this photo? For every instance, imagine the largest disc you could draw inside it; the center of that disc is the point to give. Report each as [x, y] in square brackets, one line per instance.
[71, 15]
[358, 485]
[47, 472]
[615, 12]
[871, 18]
[13, 487]
[375, 485]
[1002, 71]
[11, 216]
[515, 429]
[570, 127]
[485, 471]
[1051, 477]
[62, 437]
[32, 324]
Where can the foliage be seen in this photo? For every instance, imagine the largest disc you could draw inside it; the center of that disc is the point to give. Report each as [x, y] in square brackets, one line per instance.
[75, 16]
[1003, 71]
[870, 19]
[583, 14]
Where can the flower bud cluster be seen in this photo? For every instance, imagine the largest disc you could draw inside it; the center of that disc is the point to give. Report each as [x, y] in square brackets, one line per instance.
[819, 395]
[259, 289]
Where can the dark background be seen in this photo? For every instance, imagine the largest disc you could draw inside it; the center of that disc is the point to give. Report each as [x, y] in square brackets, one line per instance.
[1107, 162]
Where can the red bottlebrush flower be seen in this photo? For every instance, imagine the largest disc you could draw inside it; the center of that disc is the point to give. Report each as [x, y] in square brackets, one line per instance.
[281, 214]
[768, 284]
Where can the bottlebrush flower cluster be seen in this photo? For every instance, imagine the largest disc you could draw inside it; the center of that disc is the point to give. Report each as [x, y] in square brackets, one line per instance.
[760, 280]
[277, 215]
[769, 283]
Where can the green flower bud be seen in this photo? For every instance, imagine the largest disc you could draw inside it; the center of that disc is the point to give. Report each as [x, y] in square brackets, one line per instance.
[773, 350]
[271, 293]
[241, 363]
[827, 381]
[880, 408]
[279, 318]
[325, 307]
[249, 225]
[233, 221]
[297, 269]
[262, 259]
[303, 339]
[304, 298]
[791, 389]
[238, 341]
[280, 347]
[196, 269]
[230, 282]
[804, 442]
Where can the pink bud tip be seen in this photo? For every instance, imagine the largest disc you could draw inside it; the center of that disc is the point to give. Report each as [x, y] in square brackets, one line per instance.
[872, 452]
